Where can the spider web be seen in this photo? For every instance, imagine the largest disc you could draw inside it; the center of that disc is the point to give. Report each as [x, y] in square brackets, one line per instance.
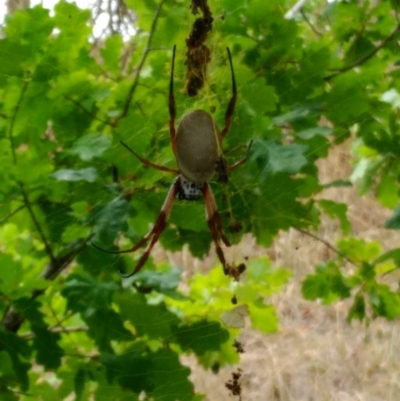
[144, 189]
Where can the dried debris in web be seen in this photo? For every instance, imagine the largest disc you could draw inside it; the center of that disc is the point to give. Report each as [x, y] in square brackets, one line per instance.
[198, 55]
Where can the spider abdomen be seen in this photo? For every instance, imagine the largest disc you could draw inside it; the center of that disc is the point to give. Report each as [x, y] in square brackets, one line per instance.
[197, 146]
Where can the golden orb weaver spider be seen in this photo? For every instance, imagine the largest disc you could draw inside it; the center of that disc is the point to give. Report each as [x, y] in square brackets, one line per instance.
[197, 148]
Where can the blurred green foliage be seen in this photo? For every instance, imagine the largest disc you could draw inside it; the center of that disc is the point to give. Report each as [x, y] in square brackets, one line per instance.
[67, 98]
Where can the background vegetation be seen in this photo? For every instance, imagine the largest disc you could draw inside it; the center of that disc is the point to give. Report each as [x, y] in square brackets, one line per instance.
[308, 80]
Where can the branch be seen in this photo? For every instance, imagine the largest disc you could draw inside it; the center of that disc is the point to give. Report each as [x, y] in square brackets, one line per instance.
[54, 269]
[364, 59]
[141, 63]
[327, 244]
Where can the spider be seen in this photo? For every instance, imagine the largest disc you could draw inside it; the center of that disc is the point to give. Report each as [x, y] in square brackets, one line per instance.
[197, 148]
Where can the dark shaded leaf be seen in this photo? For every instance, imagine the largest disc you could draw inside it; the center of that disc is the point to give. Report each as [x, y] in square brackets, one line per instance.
[327, 283]
[154, 321]
[357, 310]
[45, 342]
[87, 296]
[201, 336]
[393, 222]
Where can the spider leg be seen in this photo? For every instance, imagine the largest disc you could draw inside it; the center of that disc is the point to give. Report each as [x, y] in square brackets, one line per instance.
[154, 233]
[149, 163]
[241, 161]
[210, 201]
[171, 104]
[215, 224]
[232, 102]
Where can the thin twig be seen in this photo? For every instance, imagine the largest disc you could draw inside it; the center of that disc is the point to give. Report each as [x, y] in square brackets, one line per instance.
[362, 60]
[141, 63]
[46, 244]
[77, 104]
[315, 30]
[60, 321]
[327, 244]
[9, 215]
[14, 116]
[21, 185]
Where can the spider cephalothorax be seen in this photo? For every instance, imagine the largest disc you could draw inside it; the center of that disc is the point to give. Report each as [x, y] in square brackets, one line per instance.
[197, 147]
[189, 190]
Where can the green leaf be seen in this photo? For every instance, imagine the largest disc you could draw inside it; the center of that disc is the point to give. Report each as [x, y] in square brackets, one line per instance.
[357, 310]
[12, 57]
[201, 336]
[327, 283]
[165, 283]
[7, 375]
[259, 98]
[9, 274]
[90, 146]
[137, 311]
[159, 374]
[169, 378]
[264, 318]
[72, 21]
[292, 116]
[48, 351]
[339, 210]
[86, 174]
[367, 271]
[346, 101]
[20, 27]
[385, 302]
[386, 193]
[392, 254]
[16, 347]
[393, 222]
[111, 219]
[86, 296]
[105, 325]
[111, 53]
[45, 342]
[79, 383]
[359, 250]
[131, 370]
[278, 158]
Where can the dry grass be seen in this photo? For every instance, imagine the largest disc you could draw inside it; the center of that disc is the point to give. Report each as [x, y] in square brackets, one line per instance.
[316, 355]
